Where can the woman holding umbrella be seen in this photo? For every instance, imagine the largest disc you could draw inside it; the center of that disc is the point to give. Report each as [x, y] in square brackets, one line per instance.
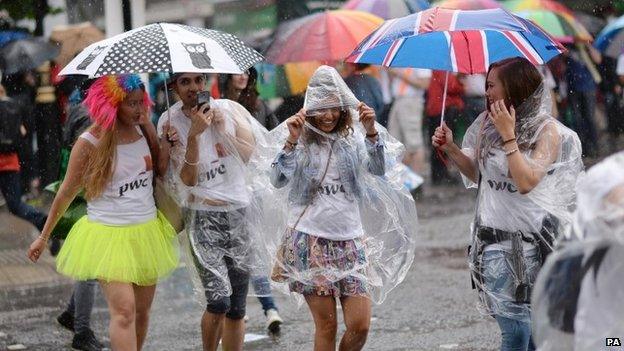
[524, 164]
[123, 241]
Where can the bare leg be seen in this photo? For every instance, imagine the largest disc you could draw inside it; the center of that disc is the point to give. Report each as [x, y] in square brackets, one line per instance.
[357, 315]
[233, 334]
[323, 309]
[212, 327]
[122, 309]
[144, 296]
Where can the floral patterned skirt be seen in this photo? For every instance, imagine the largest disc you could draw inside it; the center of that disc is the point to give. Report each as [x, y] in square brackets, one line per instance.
[317, 266]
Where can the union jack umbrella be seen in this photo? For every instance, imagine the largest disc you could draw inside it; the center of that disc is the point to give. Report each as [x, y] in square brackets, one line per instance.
[455, 41]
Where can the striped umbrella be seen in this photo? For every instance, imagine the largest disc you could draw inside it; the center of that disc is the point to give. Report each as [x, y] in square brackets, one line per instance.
[469, 4]
[326, 36]
[387, 8]
[610, 41]
[558, 20]
[456, 40]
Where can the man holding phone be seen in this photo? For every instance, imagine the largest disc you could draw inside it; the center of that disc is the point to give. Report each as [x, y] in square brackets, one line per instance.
[207, 143]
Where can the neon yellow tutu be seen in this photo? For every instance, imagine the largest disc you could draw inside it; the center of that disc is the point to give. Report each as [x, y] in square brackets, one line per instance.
[140, 254]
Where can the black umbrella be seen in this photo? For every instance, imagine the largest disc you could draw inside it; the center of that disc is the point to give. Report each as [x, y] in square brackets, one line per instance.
[27, 54]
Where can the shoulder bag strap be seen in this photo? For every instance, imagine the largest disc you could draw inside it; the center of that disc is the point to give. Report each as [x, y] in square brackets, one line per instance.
[331, 149]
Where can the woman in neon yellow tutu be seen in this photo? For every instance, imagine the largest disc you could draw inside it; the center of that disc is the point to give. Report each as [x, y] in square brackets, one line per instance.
[122, 241]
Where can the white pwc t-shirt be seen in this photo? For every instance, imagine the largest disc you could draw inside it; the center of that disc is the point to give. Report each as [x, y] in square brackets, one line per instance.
[331, 215]
[129, 197]
[221, 171]
[501, 205]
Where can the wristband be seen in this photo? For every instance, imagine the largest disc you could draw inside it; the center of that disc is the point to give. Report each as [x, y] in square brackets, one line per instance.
[372, 135]
[190, 163]
[509, 141]
[510, 152]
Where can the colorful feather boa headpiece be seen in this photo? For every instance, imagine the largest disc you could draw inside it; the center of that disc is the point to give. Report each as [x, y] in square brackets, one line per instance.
[105, 95]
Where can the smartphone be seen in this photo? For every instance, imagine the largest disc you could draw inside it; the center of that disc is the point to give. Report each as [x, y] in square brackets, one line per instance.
[203, 97]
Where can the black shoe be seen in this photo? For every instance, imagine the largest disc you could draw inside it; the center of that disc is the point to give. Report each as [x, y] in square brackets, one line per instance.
[86, 341]
[66, 320]
[55, 246]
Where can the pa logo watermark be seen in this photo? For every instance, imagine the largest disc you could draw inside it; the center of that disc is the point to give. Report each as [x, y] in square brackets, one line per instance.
[613, 342]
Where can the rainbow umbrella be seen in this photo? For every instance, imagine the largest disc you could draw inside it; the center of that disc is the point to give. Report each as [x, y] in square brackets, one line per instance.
[326, 36]
[610, 40]
[469, 4]
[558, 20]
[387, 8]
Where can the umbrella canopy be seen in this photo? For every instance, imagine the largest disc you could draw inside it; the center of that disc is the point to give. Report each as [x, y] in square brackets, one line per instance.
[610, 41]
[73, 39]
[558, 20]
[165, 47]
[7, 36]
[456, 40]
[326, 36]
[26, 54]
[469, 4]
[387, 9]
[284, 80]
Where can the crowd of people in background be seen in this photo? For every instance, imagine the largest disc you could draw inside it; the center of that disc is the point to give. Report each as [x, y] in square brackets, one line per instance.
[586, 88]
[483, 129]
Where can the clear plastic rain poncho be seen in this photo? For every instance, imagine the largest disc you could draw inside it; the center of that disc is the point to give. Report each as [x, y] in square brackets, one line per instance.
[512, 232]
[221, 213]
[578, 295]
[340, 221]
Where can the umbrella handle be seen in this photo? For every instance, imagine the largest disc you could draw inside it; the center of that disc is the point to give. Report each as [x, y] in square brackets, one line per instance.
[168, 108]
[444, 98]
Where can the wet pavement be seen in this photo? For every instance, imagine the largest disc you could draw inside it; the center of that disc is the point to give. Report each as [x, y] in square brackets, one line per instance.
[433, 309]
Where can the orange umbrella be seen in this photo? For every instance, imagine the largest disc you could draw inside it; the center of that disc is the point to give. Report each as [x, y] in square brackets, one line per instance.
[326, 36]
[73, 39]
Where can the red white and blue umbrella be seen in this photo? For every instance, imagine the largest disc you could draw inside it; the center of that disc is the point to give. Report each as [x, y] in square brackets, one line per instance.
[456, 41]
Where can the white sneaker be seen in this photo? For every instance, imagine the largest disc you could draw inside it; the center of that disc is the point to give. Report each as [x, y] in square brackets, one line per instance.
[273, 321]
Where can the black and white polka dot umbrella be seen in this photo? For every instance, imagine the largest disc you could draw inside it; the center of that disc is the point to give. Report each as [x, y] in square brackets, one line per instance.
[165, 47]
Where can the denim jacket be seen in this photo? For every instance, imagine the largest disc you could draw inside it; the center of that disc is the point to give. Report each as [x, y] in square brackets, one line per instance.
[304, 167]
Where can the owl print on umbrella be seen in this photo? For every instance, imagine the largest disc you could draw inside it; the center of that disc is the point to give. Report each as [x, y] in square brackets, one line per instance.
[198, 54]
[89, 59]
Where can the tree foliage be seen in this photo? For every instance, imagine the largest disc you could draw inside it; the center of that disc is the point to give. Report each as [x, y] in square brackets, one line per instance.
[27, 9]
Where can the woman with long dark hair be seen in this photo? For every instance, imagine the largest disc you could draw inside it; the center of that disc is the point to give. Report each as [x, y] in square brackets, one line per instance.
[524, 164]
[242, 89]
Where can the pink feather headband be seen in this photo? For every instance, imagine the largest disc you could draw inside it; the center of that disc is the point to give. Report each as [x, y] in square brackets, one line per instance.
[107, 93]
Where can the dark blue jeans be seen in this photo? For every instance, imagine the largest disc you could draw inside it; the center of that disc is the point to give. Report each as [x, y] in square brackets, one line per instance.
[262, 288]
[516, 335]
[11, 188]
[582, 104]
[81, 304]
